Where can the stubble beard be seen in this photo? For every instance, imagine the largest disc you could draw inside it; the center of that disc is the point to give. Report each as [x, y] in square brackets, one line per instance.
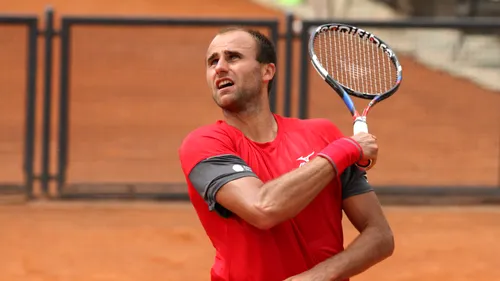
[241, 101]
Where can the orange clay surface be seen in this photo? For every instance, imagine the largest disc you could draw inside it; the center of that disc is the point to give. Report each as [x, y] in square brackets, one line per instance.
[164, 241]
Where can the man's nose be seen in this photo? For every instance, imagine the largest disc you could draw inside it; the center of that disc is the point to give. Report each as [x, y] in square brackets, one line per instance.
[221, 66]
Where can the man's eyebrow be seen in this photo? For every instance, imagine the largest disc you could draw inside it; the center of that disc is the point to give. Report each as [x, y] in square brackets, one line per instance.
[212, 56]
[226, 52]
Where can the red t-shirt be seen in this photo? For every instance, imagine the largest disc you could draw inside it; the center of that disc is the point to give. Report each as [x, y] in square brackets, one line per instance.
[216, 154]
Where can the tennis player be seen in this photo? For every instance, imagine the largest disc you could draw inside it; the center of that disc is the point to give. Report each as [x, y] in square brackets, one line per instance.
[270, 191]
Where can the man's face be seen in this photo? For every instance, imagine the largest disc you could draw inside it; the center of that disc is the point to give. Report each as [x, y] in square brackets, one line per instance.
[233, 72]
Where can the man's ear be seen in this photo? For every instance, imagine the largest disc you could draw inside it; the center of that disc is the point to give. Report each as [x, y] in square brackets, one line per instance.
[268, 70]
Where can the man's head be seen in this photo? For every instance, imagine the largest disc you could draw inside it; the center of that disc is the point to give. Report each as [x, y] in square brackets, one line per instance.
[240, 67]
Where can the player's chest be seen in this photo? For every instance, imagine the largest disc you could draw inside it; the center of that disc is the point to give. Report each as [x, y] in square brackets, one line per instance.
[290, 153]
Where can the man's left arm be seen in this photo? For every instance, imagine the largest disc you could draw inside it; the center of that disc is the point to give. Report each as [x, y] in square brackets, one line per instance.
[375, 241]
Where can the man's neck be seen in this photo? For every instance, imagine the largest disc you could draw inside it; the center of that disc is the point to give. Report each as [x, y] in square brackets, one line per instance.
[258, 125]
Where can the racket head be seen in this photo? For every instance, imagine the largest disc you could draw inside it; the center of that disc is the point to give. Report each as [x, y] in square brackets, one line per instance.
[359, 62]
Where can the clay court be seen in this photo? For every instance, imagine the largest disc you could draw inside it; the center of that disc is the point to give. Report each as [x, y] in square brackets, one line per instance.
[146, 241]
[131, 92]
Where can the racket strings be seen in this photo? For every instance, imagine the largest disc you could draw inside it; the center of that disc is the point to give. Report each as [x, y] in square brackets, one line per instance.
[355, 62]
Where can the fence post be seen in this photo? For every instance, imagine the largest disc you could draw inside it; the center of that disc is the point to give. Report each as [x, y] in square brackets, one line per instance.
[304, 72]
[63, 104]
[273, 96]
[287, 103]
[47, 89]
[30, 108]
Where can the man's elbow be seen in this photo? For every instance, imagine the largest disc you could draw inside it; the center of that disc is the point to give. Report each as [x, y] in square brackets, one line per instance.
[387, 244]
[264, 224]
[265, 218]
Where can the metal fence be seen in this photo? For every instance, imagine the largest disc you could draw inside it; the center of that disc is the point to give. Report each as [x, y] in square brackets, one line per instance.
[115, 187]
[29, 26]
[79, 96]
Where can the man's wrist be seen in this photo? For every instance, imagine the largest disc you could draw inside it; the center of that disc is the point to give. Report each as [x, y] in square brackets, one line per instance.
[342, 153]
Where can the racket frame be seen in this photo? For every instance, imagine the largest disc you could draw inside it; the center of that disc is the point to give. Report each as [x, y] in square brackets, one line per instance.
[343, 91]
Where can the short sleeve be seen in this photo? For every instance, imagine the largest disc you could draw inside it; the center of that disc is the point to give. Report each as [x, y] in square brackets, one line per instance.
[208, 176]
[209, 161]
[354, 182]
[202, 144]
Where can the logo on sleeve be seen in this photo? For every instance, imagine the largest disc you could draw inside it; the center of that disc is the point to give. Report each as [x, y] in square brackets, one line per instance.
[241, 168]
[304, 159]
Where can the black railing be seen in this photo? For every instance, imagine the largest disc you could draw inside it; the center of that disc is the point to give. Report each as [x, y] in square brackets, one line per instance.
[31, 23]
[68, 23]
[49, 33]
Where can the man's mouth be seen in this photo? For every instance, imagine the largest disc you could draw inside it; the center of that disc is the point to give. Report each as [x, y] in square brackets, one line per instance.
[224, 83]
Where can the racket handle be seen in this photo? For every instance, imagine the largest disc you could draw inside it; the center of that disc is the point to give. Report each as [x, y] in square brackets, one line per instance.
[358, 127]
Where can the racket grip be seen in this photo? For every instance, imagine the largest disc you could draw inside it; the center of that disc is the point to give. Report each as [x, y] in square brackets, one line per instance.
[361, 126]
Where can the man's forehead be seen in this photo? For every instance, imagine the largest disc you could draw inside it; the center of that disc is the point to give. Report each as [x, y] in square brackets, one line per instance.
[232, 41]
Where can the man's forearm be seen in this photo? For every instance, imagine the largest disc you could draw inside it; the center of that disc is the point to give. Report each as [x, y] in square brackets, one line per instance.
[370, 247]
[285, 196]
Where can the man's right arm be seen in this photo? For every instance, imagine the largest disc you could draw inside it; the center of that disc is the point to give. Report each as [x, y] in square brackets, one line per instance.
[264, 205]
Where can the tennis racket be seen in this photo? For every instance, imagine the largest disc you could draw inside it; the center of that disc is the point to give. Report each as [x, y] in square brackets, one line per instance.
[355, 63]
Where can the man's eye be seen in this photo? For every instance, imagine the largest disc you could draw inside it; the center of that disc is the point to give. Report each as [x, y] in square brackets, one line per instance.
[234, 57]
[214, 61]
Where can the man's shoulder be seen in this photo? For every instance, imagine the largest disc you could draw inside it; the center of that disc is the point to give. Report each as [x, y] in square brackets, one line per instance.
[320, 123]
[313, 124]
[204, 142]
[218, 130]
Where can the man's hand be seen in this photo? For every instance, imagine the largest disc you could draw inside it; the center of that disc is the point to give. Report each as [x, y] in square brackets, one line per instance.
[368, 143]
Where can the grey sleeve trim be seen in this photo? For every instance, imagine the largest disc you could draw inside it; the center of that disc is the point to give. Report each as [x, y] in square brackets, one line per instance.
[354, 182]
[211, 174]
